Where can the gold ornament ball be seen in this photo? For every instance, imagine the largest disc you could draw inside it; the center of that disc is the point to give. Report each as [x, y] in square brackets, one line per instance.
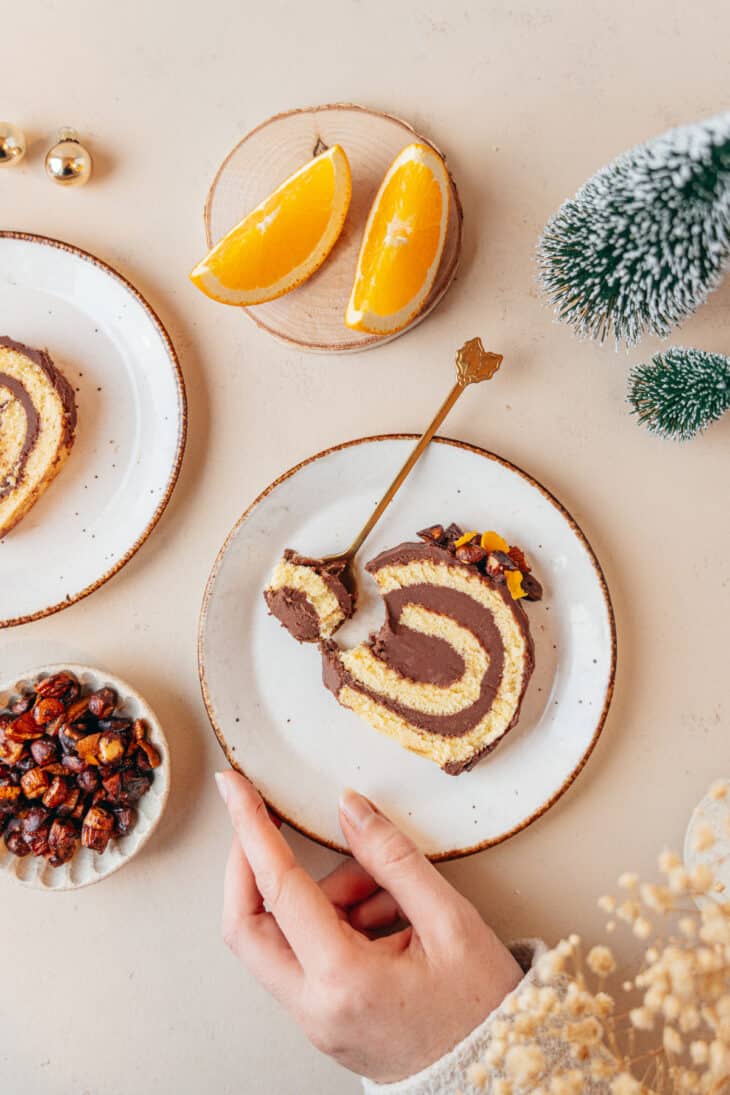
[68, 163]
[12, 144]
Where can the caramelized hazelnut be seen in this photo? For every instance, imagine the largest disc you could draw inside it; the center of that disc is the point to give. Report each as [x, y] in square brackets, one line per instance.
[150, 753]
[38, 841]
[73, 764]
[125, 818]
[470, 553]
[16, 845]
[47, 709]
[60, 684]
[111, 748]
[44, 750]
[88, 781]
[97, 829]
[34, 783]
[62, 842]
[102, 702]
[21, 704]
[56, 794]
[24, 728]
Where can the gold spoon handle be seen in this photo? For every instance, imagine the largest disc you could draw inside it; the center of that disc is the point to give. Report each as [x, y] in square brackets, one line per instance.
[473, 364]
[405, 471]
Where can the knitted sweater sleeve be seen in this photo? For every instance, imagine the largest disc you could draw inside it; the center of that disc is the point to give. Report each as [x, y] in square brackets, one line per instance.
[462, 1070]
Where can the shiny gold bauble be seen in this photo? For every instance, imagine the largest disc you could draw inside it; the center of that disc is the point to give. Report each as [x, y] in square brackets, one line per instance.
[68, 163]
[12, 144]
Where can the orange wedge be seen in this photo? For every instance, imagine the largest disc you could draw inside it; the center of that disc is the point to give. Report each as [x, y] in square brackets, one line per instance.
[403, 243]
[284, 239]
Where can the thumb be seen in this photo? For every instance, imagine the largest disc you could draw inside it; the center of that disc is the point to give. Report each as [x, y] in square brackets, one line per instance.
[432, 905]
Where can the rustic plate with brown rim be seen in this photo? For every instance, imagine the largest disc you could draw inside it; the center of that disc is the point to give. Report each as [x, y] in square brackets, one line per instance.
[87, 867]
[113, 349]
[263, 691]
[312, 316]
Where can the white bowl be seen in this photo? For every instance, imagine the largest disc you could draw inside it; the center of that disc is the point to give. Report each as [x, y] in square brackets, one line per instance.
[87, 867]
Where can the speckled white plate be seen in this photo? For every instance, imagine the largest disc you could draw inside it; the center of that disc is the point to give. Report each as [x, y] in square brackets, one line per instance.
[278, 724]
[713, 815]
[129, 444]
[88, 867]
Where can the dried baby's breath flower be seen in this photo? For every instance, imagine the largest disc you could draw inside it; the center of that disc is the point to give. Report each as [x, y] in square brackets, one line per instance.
[610, 926]
[719, 1061]
[688, 927]
[676, 1042]
[699, 1051]
[668, 861]
[678, 880]
[655, 897]
[641, 1018]
[719, 790]
[628, 911]
[701, 878]
[604, 1005]
[550, 965]
[642, 928]
[689, 1018]
[477, 1075]
[671, 1040]
[654, 998]
[703, 838]
[600, 961]
[524, 1064]
[586, 1032]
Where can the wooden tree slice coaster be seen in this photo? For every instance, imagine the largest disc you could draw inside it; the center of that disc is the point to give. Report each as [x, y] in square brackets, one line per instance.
[311, 317]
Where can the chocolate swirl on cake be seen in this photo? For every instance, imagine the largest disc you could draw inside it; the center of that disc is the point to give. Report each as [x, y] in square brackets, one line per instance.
[446, 674]
[37, 426]
[309, 597]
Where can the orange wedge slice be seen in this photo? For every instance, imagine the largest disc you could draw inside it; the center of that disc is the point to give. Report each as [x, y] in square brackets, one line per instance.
[284, 239]
[403, 243]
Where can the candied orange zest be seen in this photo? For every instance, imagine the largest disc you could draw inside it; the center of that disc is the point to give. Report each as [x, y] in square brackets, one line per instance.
[492, 541]
[514, 584]
[465, 539]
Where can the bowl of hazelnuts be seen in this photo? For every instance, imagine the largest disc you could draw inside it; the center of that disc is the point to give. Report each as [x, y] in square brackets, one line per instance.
[84, 776]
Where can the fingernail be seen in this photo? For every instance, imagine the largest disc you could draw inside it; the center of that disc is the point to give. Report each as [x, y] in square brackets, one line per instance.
[222, 786]
[356, 808]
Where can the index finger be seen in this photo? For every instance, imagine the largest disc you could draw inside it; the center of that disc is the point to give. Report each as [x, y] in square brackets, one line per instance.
[305, 915]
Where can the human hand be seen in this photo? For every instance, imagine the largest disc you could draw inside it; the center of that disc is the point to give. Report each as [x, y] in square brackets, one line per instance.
[383, 1007]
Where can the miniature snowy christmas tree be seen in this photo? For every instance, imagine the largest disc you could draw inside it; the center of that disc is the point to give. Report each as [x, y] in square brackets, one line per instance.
[645, 240]
[680, 392]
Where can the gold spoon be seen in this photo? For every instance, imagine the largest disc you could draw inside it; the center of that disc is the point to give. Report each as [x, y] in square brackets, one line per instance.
[473, 364]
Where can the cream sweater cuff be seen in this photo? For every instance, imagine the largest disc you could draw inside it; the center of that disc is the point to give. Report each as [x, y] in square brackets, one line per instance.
[446, 1075]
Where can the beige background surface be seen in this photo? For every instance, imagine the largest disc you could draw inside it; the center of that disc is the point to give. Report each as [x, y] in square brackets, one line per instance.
[126, 987]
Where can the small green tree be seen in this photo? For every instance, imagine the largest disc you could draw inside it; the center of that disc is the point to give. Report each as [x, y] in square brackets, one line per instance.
[645, 240]
[680, 392]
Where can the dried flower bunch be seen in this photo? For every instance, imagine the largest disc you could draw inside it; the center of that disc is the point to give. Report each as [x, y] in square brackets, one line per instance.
[673, 1034]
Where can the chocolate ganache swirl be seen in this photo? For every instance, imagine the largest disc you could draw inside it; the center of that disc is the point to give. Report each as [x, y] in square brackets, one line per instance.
[446, 673]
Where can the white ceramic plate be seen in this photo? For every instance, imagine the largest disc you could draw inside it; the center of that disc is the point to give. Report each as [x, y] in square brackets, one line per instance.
[88, 867]
[279, 725]
[131, 430]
